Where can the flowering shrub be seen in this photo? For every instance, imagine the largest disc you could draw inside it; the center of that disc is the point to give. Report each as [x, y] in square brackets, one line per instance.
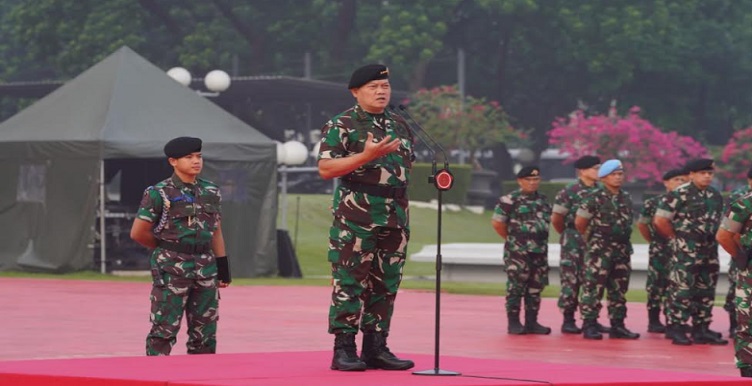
[645, 151]
[735, 158]
[473, 125]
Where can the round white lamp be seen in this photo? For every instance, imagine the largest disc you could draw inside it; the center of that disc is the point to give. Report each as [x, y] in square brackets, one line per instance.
[180, 75]
[281, 153]
[296, 153]
[217, 81]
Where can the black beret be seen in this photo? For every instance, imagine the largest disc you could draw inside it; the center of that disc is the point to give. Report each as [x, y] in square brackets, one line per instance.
[529, 171]
[749, 173]
[587, 162]
[368, 73]
[674, 173]
[182, 146]
[699, 165]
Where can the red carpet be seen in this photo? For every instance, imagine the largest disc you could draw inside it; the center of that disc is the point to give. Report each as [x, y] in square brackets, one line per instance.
[305, 368]
[106, 322]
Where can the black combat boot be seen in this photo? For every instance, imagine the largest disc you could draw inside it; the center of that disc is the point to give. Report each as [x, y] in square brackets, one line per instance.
[654, 321]
[376, 355]
[345, 354]
[619, 331]
[532, 326]
[746, 372]
[570, 326]
[514, 327]
[602, 328]
[678, 335]
[590, 330]
[701, 334]
[732, 324]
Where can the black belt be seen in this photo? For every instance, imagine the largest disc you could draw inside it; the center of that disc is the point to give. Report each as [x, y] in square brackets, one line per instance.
[376, 190]
[193, 249]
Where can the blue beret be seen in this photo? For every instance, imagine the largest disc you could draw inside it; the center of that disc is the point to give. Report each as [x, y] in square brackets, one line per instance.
[368, 73]
[182, 146]
[609, 167]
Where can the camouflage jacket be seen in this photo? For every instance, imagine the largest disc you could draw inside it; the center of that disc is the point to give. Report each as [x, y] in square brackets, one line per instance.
[735, 195]
[739, 220]
[695, 214]
[568, 200]
[527, 217]
[345, 135]
[646, 217]
[193, 213]
[610, 216]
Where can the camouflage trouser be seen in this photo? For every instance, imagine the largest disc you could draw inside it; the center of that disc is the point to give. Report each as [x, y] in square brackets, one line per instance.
[199, 299]
[743, 339]
[658, 275]
[729, 305]
[527, 275]
[367, 266]
[607, 267]
[571, 266]
[694, 275]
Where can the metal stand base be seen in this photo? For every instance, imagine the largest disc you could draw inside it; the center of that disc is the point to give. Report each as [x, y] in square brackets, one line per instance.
[436, 372]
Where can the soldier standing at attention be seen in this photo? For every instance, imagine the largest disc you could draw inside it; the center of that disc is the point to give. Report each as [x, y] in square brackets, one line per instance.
[604, 219]
[729, 305]
[522, 218]
[571, 262]
[735, 236]
[659, 251]
[372, 151]
[689, 217]
[180, 219]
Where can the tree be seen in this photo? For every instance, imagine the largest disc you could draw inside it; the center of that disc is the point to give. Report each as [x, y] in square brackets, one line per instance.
[645, 151]
[471, 124]
[735, 158]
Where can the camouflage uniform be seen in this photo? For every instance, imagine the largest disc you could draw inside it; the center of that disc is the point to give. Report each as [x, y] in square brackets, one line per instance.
[369, 235]
[183, 282]
[695, 215]
[739, 220]
[571, 263]
[659, 261]
[526, 249]
[607, 260]
[728, 305]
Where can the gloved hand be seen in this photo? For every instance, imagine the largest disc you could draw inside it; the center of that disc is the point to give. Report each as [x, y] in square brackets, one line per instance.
[223, 271]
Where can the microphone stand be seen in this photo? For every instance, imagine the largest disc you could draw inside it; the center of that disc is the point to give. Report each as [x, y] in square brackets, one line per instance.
[442, 180]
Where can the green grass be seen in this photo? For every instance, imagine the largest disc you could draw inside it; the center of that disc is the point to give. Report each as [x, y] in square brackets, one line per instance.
[314, 218]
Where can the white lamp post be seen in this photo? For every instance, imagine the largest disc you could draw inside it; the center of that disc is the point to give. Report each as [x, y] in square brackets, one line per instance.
[290, 153]
[215, 81]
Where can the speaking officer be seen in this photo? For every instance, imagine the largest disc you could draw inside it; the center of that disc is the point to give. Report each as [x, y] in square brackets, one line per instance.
[371, 150]
[689, 216]
[735, 236]
[659, 253]
[522, 218]
[604, 219]
[571, 263]
[180, 219]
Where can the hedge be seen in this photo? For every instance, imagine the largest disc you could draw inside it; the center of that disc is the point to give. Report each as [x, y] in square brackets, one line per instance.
[421, 190]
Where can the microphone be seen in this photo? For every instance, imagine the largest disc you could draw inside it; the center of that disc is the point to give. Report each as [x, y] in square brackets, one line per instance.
[421, 133]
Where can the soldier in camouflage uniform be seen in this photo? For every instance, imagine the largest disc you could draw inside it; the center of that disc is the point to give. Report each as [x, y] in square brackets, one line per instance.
[659, 251]
[604, 219]
[180, 218]
[371, 149]
[689, 217]
[522, 218]
[729, 305]
[735, 236]
[571, 263]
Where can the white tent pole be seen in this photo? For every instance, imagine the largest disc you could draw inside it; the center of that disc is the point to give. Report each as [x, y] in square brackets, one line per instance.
[102, 235]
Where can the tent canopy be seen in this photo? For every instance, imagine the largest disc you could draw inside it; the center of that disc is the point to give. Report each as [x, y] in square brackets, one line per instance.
[125, 108]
